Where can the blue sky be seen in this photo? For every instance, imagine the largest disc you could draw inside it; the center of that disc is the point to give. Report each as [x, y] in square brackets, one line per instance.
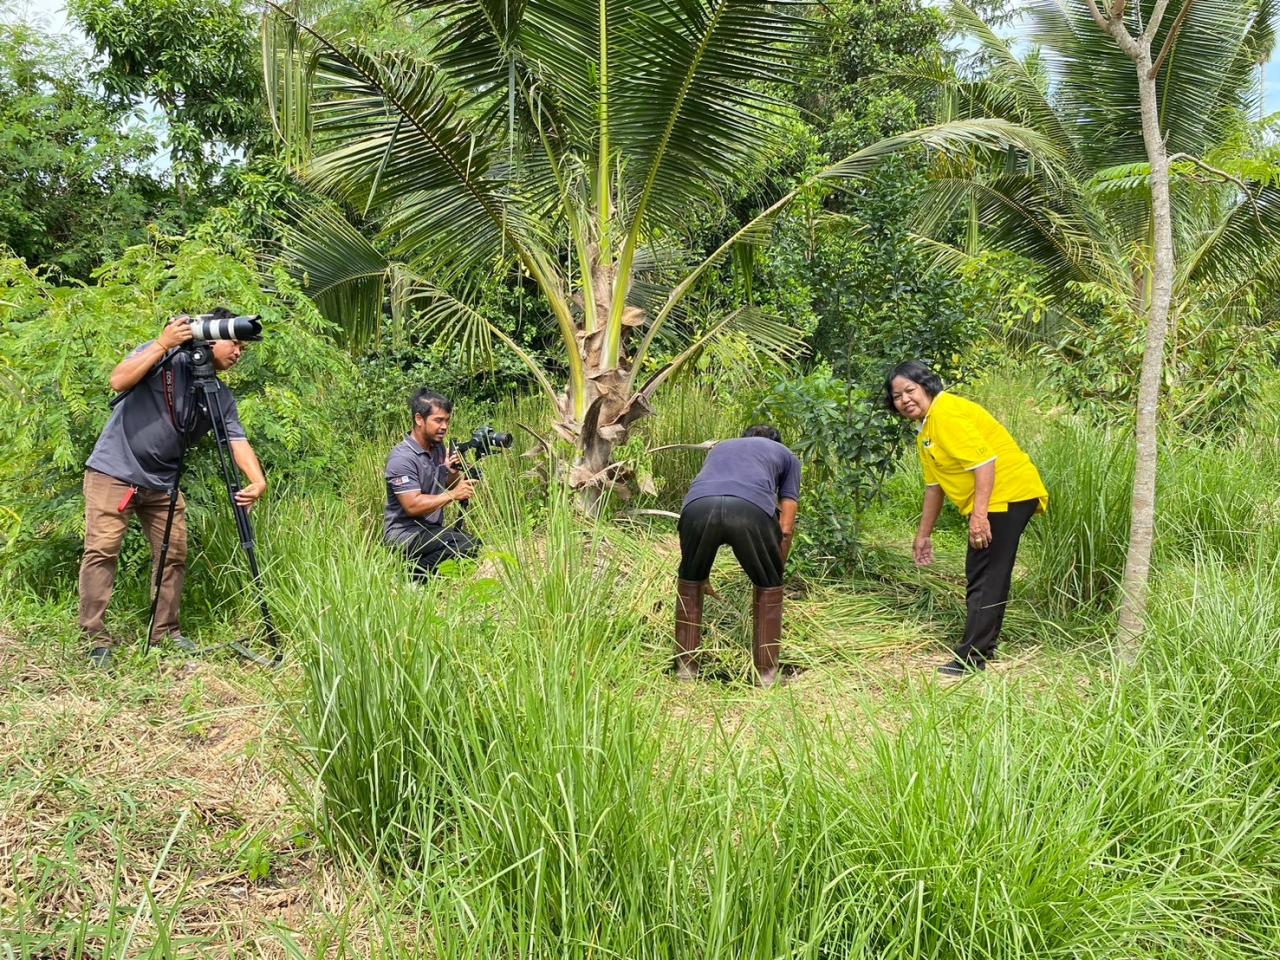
[51, 12]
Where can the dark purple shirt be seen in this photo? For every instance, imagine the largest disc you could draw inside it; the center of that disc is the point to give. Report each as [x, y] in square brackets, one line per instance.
[754, 469]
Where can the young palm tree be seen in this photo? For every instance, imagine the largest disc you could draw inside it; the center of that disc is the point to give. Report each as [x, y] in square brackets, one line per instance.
[568, 140]
[1138, 101]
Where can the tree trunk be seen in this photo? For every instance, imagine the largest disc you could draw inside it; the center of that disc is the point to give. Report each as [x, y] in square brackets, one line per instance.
[611, 408]
[1137, 567]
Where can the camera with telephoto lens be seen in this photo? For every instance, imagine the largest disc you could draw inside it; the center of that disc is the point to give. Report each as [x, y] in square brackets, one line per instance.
[484, 441]
[204, 329]
[209, 327]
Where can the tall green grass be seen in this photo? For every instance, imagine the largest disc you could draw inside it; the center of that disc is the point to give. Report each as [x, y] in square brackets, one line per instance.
[504, 744]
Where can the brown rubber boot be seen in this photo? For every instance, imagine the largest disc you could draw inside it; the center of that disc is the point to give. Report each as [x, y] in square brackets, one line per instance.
[688, 627]
[766, 642]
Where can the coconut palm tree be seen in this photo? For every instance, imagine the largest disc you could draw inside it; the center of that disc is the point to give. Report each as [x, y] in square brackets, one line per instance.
[563, 141]
[1145, 213]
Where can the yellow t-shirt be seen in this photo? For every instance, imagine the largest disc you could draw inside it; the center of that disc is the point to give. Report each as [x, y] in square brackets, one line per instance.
[956, 437]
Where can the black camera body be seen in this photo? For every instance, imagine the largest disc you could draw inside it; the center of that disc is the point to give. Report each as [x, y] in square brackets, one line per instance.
[484, 441]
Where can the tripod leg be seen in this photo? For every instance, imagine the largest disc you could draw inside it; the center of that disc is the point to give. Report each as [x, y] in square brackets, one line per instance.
[160, 561]
[229, 476]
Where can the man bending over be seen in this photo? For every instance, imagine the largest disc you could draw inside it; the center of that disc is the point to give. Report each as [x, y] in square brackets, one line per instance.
[745, 496]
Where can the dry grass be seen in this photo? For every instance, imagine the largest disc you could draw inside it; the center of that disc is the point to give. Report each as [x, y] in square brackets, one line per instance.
[120, 794]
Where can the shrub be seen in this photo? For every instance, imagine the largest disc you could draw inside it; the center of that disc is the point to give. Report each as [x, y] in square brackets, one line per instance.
[60, 343]
[848, 445]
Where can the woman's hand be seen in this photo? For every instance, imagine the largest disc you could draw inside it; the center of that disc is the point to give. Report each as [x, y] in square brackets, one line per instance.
[979, 531]
[922, 549]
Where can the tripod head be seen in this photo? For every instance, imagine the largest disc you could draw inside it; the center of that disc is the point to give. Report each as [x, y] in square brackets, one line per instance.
[201, 354]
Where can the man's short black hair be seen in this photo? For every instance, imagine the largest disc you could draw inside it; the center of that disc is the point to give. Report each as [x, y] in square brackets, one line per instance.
[426, 401]
[918, 373]
[764, 430]
[221, 313]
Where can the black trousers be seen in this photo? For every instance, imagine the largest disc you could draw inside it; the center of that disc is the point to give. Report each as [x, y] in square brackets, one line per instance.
[428, 549]
[989, 573]
[710, 522]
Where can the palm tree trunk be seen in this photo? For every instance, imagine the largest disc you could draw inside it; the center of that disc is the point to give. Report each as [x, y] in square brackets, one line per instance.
[1137, 567]
[1142, 516]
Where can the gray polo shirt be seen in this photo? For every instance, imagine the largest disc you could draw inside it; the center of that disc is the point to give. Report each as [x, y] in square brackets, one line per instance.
[141, 443]
[411, 469]
[755, 469]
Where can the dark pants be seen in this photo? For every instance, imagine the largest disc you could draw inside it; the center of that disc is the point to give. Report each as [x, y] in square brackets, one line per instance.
[709, 522]
[430, 548]
[989, 573]
[104, 530]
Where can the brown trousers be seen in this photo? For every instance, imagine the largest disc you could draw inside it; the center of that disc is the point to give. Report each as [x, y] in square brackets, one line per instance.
[104, 530]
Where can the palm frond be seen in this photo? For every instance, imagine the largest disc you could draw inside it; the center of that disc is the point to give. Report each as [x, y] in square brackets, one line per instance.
[956, 137]
[766, 332]
[288, 64]
[338, 267]
[1095, 84]
[940, 256]
[1014, 215]
[441, 314]
[1241, 250]
[1012, 91]
[389, 137]
[696, 101]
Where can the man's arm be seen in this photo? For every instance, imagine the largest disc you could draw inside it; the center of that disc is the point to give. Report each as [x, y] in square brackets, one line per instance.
[420, 504]
[130, 371]
[787, 522]
[248, 463]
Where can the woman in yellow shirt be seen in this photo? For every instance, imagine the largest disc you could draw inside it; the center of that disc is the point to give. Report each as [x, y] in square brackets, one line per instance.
[969, 457]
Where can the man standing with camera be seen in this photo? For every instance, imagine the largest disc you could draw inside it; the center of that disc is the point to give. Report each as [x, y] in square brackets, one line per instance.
[422, 479]
[134, 469]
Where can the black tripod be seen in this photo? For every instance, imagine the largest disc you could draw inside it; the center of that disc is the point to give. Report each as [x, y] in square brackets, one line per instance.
[204, 398]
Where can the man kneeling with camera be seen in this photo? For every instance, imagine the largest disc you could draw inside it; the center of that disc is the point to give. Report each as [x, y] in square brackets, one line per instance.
[422, 479]
[135, 467]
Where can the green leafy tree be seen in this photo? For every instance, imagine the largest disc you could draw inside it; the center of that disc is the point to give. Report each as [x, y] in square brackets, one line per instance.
[74, 186]
[1143, 221]
[563, 140]
[198, 60]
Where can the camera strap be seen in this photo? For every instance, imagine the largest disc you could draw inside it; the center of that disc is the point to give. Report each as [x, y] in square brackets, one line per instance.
[168, 378]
